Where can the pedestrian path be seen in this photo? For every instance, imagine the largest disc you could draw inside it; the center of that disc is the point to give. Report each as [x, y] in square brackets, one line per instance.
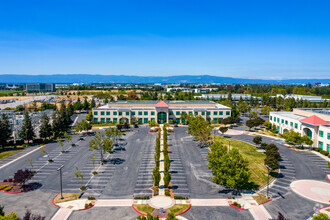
[113, 202]
[209, 202]
[260, 213]
[62, 214]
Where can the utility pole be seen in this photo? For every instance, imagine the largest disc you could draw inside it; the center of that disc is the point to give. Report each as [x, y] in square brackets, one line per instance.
[60, 169]
[268, 168]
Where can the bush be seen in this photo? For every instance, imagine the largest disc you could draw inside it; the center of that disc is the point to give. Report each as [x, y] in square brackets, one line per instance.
[142, 197]
[167, 192]
[83, 188]
[5, 180]
[94, 172]
[91, 198]
[325, 153]
[50, 161]
[10, 180]
[263, 145]
[236, 204]
[181, 197]
[3, 186]
[8, 188]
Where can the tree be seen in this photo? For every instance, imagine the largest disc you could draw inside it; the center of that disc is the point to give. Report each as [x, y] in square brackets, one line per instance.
[70, 108]
[257, 140]
[293, 137]
[83, 126]
[265, 110]
[321, 216]
[92, 158]
[223, 129]
[5, 131]
[77, 105]
[46, 153]
[29, 216]
[307, 140]
[253, 115]
[79, 176]
[250, 123]
[156, 176]
[27, 132]
[85, 105]
[30, 162]
[93, 104]
[102, 143]
[228, 167]
[59, 141]
[2, 213]
[21, 176]
[45, 128]
[170, 216]
[244, 107]
[68, 137]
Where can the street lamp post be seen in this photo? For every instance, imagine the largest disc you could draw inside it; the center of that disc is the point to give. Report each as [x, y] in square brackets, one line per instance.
[229, 143]
[268, 168]
[60, 169]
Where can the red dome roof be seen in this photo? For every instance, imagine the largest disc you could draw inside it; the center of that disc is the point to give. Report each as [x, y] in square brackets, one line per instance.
[314, 120]
[161, 104]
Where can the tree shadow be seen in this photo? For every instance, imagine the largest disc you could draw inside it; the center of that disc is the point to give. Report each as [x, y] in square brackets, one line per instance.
[116, 161]
[32, 186]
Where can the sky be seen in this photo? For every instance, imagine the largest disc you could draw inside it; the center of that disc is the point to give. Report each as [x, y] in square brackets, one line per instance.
[269, 39]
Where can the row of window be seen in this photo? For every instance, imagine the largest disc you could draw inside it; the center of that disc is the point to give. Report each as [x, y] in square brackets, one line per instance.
[153, 113]
[145, 120]
[321, 133]
[278, 120]
[321, 146]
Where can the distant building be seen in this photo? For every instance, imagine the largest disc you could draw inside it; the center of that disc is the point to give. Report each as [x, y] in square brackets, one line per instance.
[159, 111]
[3, 86]
[234, 97]
[195, 90]
[309, 98]
[313, 122]
[40, 87]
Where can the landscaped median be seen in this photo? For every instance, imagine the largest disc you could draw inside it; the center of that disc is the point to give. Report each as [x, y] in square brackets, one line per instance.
[72, 201]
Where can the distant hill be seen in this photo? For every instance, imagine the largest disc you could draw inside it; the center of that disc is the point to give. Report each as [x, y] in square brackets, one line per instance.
[190, 79]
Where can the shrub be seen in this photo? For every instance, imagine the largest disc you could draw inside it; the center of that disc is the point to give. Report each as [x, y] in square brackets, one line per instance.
[10, 180]
[5, 181]
[21, 176]
[8, 188]
[167, 192]
[325, 153]
[142, 197]
[83, 188]
[94, 172]
[91, 198]
[180, 197]
[263, 145]
[236, 204]
[3, 186]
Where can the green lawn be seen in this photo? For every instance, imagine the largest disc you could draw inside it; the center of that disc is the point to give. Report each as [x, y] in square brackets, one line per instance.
[7, 153]
[178, 208]
[256, 160]
[145, 209]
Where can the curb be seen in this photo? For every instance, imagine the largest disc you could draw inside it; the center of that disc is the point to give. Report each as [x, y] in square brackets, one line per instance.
[53, 201]
[265, 201]
[328, 177]
[86, 208]
[235, 207]
[319, 211]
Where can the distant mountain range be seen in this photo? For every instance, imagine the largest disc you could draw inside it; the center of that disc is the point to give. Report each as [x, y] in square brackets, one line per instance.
[189, 79]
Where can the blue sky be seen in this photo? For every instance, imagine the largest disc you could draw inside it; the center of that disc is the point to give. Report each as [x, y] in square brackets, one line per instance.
[253, 39]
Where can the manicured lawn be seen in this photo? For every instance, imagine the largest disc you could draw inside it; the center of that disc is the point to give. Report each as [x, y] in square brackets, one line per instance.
[7, 153]
[260, 198]
[178, 208]
[66, 197]
[256, 160]
[145, 209]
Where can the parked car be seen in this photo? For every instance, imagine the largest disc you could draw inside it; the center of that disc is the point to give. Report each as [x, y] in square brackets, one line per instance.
[136, 126]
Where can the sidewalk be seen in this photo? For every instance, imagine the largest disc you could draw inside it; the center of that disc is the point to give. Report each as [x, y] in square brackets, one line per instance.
[62, 214]
[259, 213]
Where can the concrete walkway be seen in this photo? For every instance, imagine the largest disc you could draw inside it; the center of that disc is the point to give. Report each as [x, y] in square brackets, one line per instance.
[259, 213]
[114, 202]
[317, 191]
[161, 163]
[209, 202]
[62, 214]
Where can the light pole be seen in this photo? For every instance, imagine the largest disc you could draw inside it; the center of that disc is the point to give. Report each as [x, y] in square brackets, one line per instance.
[268, 168]
[229, 143]
[60, 169]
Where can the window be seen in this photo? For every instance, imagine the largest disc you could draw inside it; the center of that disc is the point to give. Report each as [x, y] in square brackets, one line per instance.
[114, 113]
[133, 113]
[328, 148]
[321, 134]
[215, 113]
[127, 113]
[108, 120]
[108, 113]
[215, 120]
[321, 145]
[278, 120]
[120, 113]
[115, 120]
[152, 119]
[227, 113]
[271, 118]
[295, 125]
[95, 120]
[291, 124]
[196, 113]
[102, 120]
[177, 113]
[153, 113]
[178, 120]
[282, 121]
[203, 113]
[275, 119]
[140, 120]
[221, 113]
[140, 113]
[208, 113]
[328, 136]
[171, 113]
[286, 122]
[190, 113]
[102, 113]
[146, 120]
[95, 113]
[145, 113]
